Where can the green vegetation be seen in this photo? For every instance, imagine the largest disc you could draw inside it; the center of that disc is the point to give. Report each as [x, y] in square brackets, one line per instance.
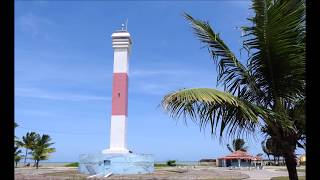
[160, 165]
[16, 139]
[17, 145]
[17, 156]
[28, 142]
[75, 164]
[237, 145]
[265, 149]
[287, 178]
[41, 148]
[266, 91]
[271, 147]
[171, 163]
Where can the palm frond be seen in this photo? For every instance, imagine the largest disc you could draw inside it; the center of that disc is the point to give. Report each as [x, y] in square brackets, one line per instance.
[229, 148]
[42, 149]
[277, 38]
[239, 144]
[235, 76]
[29, 139]
[204, 105]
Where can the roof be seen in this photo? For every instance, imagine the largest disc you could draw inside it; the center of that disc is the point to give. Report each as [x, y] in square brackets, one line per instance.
[120, 33]
[241, 155]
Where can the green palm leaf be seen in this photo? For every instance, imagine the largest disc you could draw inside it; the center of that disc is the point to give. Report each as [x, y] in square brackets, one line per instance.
[204, 105]
[42, 149]
[268, 87]
[239, 144]
[277, 38]
[231, 72]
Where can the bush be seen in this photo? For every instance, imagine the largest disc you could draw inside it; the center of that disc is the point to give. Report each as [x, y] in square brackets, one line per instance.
[171, 163]
[75, 164]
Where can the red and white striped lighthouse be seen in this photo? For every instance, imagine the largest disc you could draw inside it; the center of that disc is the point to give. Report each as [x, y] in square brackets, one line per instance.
[121, 43]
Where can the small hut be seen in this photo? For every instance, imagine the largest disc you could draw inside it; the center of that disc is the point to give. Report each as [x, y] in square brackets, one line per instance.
[239, 159]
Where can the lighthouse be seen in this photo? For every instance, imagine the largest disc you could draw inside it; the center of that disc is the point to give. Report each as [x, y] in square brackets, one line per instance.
[121, 43]
[117, 159]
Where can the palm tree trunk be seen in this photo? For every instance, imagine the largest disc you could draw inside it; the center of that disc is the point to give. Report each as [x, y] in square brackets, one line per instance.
[25, 158]
[37, 164]
[291, 164]
[274, 160]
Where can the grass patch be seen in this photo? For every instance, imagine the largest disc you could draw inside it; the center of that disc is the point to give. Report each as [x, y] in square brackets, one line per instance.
[160, 165]
[287, 178]
[75, 164]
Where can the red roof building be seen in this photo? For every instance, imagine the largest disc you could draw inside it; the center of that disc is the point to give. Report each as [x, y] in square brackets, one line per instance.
[239, 159]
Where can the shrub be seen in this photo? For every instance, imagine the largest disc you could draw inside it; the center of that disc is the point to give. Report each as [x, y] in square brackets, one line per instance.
[75, 164]
[171, 163]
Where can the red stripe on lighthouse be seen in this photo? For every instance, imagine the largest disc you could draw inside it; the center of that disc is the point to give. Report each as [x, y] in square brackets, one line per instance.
[120, 94]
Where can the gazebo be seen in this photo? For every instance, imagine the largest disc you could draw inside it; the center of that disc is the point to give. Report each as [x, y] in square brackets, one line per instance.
[239, 159]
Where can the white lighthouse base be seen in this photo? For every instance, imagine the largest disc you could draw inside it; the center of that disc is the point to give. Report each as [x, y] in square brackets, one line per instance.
[118, 135]
[115, 151]
[104, 164]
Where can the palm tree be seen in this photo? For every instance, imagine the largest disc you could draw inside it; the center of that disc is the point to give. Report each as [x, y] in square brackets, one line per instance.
[28, 142]
[259, 155]
[42, 149]
[274, 147]
[17, 156]
[230, 148]
[15, 137]
[260, 93]
[297, 113]
[17, 142]
[238, 145]
[265, 149]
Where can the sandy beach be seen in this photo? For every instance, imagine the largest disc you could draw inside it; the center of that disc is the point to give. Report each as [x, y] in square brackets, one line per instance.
[184, 172]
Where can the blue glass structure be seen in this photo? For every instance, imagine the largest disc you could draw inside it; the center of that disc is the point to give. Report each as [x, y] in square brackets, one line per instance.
[103, 164]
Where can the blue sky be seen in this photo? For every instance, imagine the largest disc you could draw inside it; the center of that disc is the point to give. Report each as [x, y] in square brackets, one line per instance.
[63, 73]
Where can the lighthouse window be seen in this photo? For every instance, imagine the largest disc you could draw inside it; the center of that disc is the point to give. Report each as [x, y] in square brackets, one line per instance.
[118, 94]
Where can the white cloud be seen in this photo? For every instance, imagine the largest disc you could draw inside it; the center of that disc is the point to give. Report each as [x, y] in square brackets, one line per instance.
[38, 93]
[146, 73]
[150, 88]
[30, 23]
[61, 68]
[36, 113]
[164, 80]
